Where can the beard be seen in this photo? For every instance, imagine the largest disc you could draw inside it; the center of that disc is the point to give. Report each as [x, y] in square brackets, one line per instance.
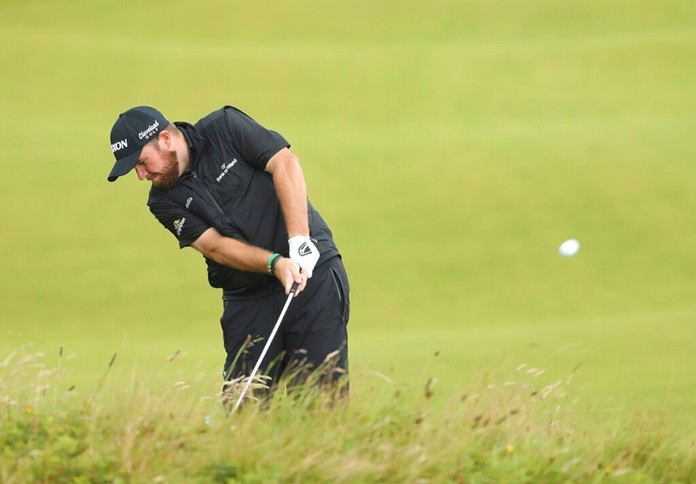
[170, 171]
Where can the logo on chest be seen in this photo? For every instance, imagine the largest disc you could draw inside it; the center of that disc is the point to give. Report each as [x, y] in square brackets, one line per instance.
[225, 167]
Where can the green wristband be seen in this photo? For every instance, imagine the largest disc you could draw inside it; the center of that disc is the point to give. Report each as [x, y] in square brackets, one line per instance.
[270, 266]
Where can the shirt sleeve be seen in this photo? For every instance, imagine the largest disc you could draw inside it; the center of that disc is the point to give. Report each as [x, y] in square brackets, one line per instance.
[184, 225]
[255, 143]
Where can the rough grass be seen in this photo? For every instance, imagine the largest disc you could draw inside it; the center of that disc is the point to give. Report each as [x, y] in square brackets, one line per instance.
[509, 427]
[451, 146]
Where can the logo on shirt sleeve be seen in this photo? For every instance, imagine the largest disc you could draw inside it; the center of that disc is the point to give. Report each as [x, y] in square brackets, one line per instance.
[179, 225]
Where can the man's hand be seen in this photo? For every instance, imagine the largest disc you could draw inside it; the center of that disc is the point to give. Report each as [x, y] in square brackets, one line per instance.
[288, 273]
[304, 253]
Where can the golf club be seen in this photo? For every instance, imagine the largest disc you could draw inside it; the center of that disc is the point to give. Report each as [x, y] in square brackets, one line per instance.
[268, 344]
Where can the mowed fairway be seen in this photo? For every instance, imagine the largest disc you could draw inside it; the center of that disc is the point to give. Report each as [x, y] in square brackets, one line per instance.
[451, 146]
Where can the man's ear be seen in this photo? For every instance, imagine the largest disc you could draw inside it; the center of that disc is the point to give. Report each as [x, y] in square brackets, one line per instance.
[164, 139]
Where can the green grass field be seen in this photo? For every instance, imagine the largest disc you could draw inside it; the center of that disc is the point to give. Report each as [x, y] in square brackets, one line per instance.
[451, 146]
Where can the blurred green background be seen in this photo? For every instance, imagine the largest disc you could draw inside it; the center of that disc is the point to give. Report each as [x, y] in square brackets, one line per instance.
[451, 146]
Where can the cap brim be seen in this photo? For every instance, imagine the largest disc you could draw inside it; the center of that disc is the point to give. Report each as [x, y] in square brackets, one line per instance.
[123, 166]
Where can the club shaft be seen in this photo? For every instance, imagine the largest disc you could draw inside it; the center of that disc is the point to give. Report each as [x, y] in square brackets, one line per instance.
[266, 346]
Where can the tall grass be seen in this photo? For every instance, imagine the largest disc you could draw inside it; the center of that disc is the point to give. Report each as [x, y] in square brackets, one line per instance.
[512, 427]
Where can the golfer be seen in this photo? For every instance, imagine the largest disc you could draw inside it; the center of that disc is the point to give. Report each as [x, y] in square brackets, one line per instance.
[233, 190]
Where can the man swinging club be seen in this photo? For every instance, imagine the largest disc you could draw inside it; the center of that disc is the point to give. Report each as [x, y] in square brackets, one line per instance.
[233, 190]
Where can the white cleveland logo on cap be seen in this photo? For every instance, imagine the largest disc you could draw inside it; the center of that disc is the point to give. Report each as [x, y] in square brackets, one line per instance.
[149, 131]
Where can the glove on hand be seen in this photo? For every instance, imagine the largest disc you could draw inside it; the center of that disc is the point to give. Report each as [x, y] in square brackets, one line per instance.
[304, 253]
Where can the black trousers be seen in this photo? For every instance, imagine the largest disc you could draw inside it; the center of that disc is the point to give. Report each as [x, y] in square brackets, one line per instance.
[314, 328]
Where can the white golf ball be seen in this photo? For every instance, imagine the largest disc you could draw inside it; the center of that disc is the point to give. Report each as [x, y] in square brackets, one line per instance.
[569, 248]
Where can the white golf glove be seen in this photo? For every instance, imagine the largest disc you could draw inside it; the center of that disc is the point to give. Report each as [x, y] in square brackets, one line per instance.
[304, 253]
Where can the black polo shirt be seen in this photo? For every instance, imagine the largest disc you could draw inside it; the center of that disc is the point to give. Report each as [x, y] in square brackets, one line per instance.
[227, 187]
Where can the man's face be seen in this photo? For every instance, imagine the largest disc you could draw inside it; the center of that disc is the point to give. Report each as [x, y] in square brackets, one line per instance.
[158, 165]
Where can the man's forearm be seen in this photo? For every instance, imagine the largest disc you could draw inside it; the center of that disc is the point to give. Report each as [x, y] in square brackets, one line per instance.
[242, 256]
[231, 252]
[291, 189]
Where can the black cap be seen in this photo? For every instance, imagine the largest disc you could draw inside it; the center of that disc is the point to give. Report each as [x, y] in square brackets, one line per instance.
[132, 130]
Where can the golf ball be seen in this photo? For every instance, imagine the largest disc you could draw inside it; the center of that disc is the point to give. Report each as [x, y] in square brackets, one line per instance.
[569, 248]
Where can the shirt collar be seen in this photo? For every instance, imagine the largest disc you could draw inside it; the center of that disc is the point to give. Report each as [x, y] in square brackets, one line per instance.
[194, 140]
